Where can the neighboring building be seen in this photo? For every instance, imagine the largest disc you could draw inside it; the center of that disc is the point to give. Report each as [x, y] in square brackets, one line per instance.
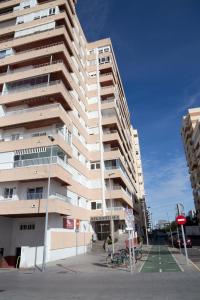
[191, 139]
[63, 116]
[161, 224]
[140, 192]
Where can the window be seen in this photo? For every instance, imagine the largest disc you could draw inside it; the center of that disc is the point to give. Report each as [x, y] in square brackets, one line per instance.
[35, 193]
[8, 193]
[104, 49]
[96, 205]
[95, 165]
[41, 133]
[2, 54]
[52, 11]
[15, 137]
[104, 60]
[36, 17]
[27, 227]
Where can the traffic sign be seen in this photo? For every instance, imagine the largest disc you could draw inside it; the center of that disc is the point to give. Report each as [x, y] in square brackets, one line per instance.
[180, 220]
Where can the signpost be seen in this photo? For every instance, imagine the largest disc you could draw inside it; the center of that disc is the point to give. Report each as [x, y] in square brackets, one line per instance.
[129, 220]
[181, 220]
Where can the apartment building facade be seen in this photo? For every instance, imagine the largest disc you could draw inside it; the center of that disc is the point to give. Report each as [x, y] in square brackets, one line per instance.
[190, 133]
[65, 135]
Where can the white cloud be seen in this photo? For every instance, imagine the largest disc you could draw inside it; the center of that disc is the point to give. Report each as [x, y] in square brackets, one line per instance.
[167, 184]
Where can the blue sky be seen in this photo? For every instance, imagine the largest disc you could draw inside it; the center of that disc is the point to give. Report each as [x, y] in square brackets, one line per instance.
[157, 45]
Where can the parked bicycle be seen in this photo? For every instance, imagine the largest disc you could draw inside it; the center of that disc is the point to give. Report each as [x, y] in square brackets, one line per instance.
[121, 258]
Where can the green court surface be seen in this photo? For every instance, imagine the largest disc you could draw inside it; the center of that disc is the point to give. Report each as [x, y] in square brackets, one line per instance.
[160, 260]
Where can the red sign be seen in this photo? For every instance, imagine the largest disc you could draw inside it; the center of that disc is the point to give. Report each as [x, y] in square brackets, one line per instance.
[180, 220]
[77, 223]
[68, 223]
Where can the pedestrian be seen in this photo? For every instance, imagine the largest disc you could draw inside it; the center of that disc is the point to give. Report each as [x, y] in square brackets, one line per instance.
[107, 244]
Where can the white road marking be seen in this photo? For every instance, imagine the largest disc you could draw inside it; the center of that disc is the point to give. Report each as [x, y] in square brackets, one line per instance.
[176, 260]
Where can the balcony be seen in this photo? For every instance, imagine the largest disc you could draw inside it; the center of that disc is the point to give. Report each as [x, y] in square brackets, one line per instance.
[118, 192]
[45, 114]
[30, 141]
[119, 212]
[37, 94]
[40, 161]
[108, 90]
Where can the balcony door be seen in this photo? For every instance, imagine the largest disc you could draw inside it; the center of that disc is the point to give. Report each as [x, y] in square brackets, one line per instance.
[35, 193]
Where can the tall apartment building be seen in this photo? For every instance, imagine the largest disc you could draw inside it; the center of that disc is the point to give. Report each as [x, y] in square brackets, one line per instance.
[64, 120]
[191, 139]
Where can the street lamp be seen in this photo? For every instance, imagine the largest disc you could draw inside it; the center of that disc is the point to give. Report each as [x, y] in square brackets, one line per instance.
[111, 217]
[52, 139]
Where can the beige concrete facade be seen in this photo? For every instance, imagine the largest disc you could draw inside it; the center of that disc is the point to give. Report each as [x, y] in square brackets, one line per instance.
[54, 83]
[190, 133]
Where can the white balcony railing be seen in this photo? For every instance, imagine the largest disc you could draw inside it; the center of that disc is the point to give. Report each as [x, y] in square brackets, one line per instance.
[33, 109]
[40, 161]
[31, 67]
[116, 208]
[21, 88]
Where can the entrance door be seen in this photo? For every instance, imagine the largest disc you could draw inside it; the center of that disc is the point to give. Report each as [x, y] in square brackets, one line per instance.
[103, 230]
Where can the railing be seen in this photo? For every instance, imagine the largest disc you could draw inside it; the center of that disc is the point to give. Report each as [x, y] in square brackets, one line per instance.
[33, 109]
[116, 208]
[32, 196]
[110, 132]
[112, 149]
[105, 74]
[31, 67]
[40, 161]
[107, 87]
[39, 48]
[109, 115]
[27, 86]
[107, 101]
[33, 33]
[60, 196]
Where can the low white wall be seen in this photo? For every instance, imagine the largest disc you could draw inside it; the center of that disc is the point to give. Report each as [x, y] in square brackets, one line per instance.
[67, 252]
[31, 256]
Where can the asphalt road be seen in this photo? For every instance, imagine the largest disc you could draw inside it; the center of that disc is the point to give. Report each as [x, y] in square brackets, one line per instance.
[99, 286]
[194, 255]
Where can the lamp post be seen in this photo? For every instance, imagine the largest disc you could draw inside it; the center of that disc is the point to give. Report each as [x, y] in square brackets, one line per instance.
[111, 217]
[51, 138]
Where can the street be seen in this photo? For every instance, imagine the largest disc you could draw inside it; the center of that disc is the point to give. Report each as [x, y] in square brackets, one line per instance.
[87, 277]
[194, 255]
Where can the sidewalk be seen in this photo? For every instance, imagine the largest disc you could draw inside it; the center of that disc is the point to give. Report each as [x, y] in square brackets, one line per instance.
[181, 261]
[92, 263]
